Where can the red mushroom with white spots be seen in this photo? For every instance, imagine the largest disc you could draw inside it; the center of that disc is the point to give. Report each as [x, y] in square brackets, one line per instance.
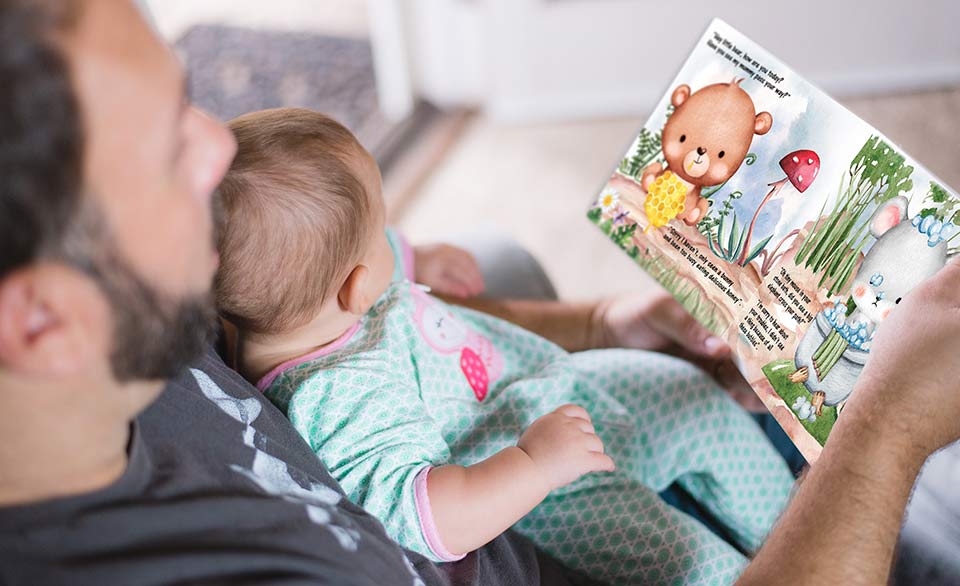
[801, 168]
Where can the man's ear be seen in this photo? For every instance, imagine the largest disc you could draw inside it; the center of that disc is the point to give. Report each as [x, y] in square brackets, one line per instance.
[680, 95]
[762, 123]
[53, 322]
[352, 296]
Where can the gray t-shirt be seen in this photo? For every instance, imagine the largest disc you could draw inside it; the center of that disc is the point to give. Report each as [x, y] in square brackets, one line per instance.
[220, 489]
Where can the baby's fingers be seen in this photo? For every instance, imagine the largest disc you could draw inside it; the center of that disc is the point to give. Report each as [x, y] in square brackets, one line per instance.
[453, 285]
[471, 274]
[585, 426]
[601, 463]
[461, 267]
[593, 443]
[462, 283]
[571, 410]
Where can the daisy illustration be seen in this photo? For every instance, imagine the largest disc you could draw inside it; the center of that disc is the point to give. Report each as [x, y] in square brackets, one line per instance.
[609, 200]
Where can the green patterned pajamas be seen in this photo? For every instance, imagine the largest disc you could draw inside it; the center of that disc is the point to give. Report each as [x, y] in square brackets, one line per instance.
[419, 384]
[683, 428]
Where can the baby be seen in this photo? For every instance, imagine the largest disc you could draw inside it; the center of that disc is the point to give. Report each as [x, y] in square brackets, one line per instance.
[450, 425]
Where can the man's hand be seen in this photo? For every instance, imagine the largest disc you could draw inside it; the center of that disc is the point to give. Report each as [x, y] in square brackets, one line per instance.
[661, 324]
[564, 446]
[906, 405]
[448, 270]
[911, 384]
[656, 322]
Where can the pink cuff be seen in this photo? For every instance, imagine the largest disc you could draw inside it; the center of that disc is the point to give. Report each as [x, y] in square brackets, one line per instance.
[407, 252]
[427, 525]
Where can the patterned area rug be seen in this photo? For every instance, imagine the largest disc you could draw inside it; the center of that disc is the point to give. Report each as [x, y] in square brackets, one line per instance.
[235, 70]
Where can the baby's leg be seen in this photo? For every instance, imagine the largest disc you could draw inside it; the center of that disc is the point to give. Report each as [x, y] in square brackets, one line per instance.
[686, 429]
[621, 532]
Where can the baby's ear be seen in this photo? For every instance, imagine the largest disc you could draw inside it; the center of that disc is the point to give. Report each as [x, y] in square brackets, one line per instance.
[762, 123]
[680, 95]
[352, 296]
[888, 215]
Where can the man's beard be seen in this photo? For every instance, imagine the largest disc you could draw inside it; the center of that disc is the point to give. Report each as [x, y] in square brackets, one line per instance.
[155, 335]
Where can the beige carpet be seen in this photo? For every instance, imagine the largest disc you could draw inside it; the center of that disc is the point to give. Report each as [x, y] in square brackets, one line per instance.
[535, 182]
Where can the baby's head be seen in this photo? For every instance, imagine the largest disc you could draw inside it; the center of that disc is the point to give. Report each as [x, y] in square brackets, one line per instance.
[302, 234]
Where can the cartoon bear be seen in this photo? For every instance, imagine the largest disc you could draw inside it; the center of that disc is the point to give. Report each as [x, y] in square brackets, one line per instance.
[705, 141]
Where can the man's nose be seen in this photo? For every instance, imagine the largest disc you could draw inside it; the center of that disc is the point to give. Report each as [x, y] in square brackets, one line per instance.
[701, 151]
[217, 149]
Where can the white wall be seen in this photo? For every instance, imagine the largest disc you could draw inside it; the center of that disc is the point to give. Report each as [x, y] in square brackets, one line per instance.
[523, 60]
[341, 17]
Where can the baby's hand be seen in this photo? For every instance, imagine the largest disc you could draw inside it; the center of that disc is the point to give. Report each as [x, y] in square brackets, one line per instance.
[448, 270]
[565, 447]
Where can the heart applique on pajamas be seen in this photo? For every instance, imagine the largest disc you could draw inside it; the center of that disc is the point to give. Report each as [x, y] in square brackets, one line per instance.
[476, 373]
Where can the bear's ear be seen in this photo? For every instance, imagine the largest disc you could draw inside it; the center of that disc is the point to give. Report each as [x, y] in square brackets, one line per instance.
[888, 215]
[680, 95]
[762, 123]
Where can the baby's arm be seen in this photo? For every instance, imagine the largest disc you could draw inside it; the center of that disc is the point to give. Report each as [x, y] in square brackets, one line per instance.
[444, 268]
[448, 270]
[472, 505]
[367, 422]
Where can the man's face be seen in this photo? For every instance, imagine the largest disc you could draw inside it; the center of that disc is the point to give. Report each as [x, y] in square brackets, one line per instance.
[152, 163]
[152, 160]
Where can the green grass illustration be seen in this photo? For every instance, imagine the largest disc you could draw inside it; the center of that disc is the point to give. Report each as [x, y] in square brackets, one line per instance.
[877, 174]
[777, 373]
[683, 290]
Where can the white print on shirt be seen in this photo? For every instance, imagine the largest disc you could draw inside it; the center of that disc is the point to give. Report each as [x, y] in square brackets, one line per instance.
[271, 474]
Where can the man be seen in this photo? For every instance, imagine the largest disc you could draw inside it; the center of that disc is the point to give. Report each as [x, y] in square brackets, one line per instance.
[106, 176]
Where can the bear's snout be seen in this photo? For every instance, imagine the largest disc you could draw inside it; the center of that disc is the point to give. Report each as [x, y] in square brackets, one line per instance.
[696, 163]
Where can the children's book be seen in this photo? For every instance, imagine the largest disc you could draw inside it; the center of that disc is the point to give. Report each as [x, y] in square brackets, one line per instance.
[784, 223]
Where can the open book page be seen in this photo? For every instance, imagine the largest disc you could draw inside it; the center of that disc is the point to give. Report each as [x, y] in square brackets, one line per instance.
[780, 220]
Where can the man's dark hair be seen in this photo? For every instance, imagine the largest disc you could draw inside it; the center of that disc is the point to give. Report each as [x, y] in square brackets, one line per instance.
[41, 135]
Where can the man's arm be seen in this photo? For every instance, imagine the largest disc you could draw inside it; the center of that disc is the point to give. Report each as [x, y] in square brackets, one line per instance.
[574, 326]
[650, 321]
[842, 526]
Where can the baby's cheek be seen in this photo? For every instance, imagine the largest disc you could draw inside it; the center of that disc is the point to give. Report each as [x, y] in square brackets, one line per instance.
[886, 312]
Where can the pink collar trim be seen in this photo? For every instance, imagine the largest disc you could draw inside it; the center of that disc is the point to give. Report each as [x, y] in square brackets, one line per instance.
[264, 383]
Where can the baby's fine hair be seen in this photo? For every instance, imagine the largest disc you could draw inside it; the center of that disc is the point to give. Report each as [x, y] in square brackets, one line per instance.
[294, 218]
